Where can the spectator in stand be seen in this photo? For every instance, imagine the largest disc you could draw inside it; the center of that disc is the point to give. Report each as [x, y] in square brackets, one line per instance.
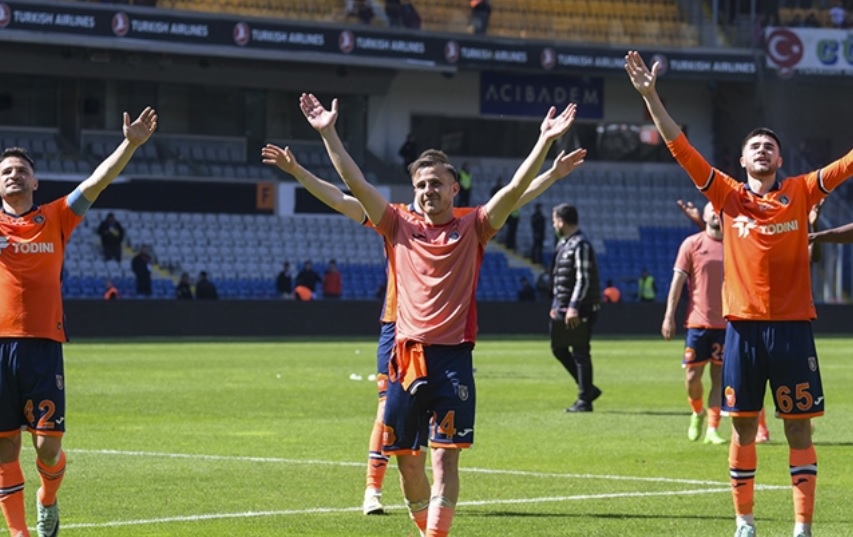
[361, 9]
[308, 278]
[111, 291]
[466, 181]
[811, 21]
[394, 12]
[332, 284]
[543, 283]
[184, 289]
[837, 16]
[411, 17]
[512, 230]
[481, 10]
[284, 282]
[646, 288]
[611, 293]
[526, 293]
[112, 235]
[409, 152]
[537, 224]
[141, 266]
[302, 294]
[204, 288]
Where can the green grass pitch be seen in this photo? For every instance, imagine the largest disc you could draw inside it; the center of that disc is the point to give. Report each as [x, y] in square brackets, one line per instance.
[224, 438]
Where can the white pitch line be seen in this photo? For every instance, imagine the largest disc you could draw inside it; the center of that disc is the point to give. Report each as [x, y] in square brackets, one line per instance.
[276, 460]
[335, 510]
[720, 488]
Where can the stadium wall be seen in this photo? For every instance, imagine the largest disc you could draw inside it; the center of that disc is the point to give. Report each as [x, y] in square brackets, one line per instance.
[270, 318]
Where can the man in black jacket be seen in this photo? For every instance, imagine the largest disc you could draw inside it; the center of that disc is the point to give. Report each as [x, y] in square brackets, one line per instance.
[574, 307]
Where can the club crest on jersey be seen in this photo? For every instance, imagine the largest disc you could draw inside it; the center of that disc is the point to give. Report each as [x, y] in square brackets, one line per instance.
[60, 382]
[462, 391]
[730, 397]
[784, 200]
[39, 219]
[454, 236]
[812, 363]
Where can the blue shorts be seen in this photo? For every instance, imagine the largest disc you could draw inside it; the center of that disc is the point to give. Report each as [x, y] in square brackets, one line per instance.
[780, 352]
[387, 333]
[32, 386]
[703, 345]
[441, 413]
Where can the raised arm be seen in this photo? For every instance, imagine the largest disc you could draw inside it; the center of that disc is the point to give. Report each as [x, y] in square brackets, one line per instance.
[505, 200]
[667, 328]
[135, 134]
[323, 121]
[691, 212]
[562, 166]
[324, 191]
[643, 79]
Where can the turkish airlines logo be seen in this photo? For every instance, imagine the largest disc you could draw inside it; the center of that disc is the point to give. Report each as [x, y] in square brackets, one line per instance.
[785, 49]
[346, 41]
[451, 51]
[743, 224]
[241, 34]
[548, 58]
[121, 24]
[5, 15]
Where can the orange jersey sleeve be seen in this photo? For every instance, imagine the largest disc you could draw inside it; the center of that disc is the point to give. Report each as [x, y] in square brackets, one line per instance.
[436, 270]
[766, 260]
[32, 249]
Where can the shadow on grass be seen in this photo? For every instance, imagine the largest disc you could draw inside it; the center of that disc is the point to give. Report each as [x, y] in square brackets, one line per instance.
[645, 412]
[606, 516]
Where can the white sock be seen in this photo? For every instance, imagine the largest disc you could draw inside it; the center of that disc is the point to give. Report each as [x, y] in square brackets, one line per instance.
[746, 520]
[801, 528]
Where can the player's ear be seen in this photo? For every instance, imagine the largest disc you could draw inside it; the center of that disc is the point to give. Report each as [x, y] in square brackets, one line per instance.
[742, 162]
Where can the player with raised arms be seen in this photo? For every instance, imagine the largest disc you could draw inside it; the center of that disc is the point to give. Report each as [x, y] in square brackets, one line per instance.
[767, 297]
[436, 261]
[347, 205]
[32, 324]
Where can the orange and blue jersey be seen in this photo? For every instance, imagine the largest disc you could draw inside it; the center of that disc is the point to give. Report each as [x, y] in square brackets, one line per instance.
[766, 258]
[32, 248]
[440, 266]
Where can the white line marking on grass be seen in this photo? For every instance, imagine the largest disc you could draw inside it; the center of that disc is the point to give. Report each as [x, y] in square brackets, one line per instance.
[337, 510]
[276, 460]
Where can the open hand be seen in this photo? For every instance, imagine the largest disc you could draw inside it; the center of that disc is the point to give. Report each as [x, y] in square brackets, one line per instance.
[316, 114]
[138, 132]
[282, 158]
[691, 212]
[641, 77]
[554, 126]
[566, 163]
